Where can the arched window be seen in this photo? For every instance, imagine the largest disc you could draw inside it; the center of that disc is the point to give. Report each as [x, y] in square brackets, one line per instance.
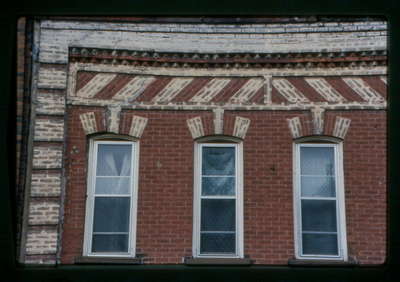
[218, 198]
[110, 224]
[319, 199]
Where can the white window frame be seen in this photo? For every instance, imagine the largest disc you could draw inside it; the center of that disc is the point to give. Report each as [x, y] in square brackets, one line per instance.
[340, 201]
[90, 195]
[238, 196]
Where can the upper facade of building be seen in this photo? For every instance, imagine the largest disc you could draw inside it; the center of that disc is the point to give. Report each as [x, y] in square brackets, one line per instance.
[227, 141]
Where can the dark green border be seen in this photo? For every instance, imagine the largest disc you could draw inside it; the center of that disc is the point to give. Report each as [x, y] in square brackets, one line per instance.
[8, 18]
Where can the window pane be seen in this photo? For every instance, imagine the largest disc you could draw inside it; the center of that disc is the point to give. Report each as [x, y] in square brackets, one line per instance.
[317, 161]
[114, 160]
[217, 243]
[318, 215]
[113, 185]
[110, 243]
[111, 214]
[320, 244]
[218, 161]
[218, 215]
[218, 186]
[318, 186]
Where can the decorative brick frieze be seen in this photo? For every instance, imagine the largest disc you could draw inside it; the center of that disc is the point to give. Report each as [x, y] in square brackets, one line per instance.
[47, 156]
[241, 126]
[288, 91]
[325, 89]
[210, 90]
[133, 88]
[172, 89]
[50, 104]
[49, 129]
[138, 124]
[112, 118]
[41, 241]
[218, 121]
[53, 78]
[295, 127]
[294, 59]
[366, 92]
[196, 127]
[247, 91]
[341, 127]
[95, 85]
[46, 184]
[88, 121]
[43, 211]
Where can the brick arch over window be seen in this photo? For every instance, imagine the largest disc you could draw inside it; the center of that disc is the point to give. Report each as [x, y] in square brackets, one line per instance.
[110, 123]
[315, 124]
[235, 127]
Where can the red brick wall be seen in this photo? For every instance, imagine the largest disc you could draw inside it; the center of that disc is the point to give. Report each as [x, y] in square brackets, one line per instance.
[164, 219]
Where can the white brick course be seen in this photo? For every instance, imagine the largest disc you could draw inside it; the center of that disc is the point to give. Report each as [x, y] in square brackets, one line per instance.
[50, 104]
[241, 126]
[52, 78]
[45, 184]
[42, 241]
[47, 157]
[43, 212]
[195, 127]
[49, 129]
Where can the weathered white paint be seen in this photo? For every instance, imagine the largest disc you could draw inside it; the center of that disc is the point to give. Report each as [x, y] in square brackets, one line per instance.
[133, 88]
[88, 121]
[241, 126]
[195, 127]
[341, 127]
[288, 91]
[247, 91]
[52, 78]
[138, 125]
[95, 85]
[113, 117]
[210, 90]
[325, 89]
[172, 89]
[54, 43]
[317, 114]
[363, 89]
[218, 121]
[295, 127]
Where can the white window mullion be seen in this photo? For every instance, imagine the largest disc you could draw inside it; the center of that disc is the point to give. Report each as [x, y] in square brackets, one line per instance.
[324, 158]
[118, 161]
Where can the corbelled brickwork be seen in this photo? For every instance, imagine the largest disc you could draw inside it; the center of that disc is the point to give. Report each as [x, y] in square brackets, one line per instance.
[266, 84]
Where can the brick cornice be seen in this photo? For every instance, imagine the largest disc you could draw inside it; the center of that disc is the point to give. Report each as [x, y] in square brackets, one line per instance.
[229, 60]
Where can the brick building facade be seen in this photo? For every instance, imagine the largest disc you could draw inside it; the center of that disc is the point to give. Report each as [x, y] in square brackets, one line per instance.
[251, 143]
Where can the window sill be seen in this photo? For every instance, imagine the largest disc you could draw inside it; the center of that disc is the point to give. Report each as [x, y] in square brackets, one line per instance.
[317, 262]
[107, 260]
[217, 261]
